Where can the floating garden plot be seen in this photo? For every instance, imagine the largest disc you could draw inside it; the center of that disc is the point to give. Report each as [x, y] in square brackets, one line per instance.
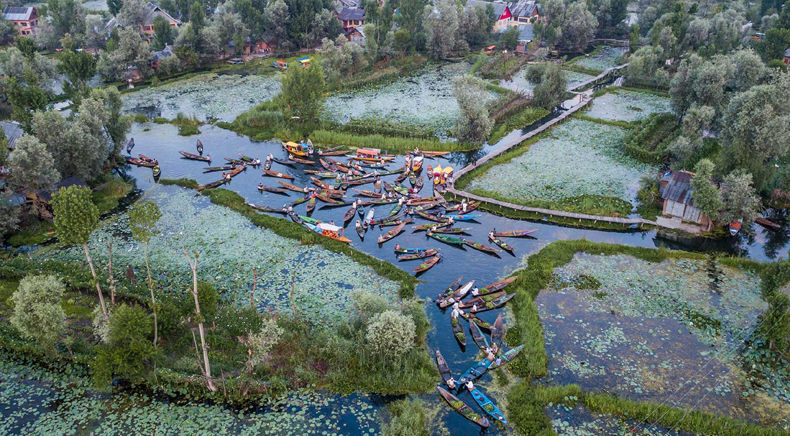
[605, 58]
[205, 96]
[627, 105]
[642, 330]
[425, 100]
[578, 158]
[230, 247]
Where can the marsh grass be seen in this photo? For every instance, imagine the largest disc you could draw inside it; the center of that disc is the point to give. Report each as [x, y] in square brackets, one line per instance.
[109, 192]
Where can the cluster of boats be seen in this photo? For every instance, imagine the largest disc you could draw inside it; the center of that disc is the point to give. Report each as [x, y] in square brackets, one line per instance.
[490, 297]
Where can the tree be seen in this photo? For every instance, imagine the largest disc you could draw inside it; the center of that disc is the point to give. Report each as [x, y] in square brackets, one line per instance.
[142, 221]
[578, 26]
[163, 33]
[633, 39]
[325, 25]
[131, 51]
[509, 38]
[116, 124]
[9, 213]
[303, 94]
[390, 334]
[739, 198]
[300, 23]
[25, 100]
[276, 18]
[132, 13]
[65, 17]
[128, 351]
[75, 218]
[442, 27]
[37, 311]
[411, 19]
[402, 41]
[27, 46]
[341, 58]
[260, 344]
[252, 15]
[205, 366]
[475, 124]
[95, 35]
[74, 150]
[774, 44]
[550, 83]
[553, 10]
[79, 68]
[31, 167]
[114, 6]
[706, 195]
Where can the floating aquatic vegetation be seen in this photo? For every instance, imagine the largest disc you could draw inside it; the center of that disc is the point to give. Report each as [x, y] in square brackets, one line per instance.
[627, 105]
[425, 99]
[230, 247]
[657, 325]
[605, 58]
[577, 420]
[520, 82]
[206, 96]
[579, 158]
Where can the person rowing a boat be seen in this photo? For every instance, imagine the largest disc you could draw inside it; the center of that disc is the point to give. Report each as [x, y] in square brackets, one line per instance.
[450, 221]
[290, 209]
[260, 186]
[495, 348]
[383, 197]
[470, 386]
[475, 290]
[285, 208]
[381, 239]
[451, 383]
[474, 307]
[463, 205]
[491, 235]
[456, 310]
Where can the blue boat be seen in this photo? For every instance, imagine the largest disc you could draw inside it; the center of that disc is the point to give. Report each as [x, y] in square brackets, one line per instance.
[487, 405]
[461, 217]
[404, 250]
[474, 372]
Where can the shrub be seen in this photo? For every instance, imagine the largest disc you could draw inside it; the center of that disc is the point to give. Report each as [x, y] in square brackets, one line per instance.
[130, 346]
[261, 343]
[367, 304]
[391, 334]
[188, 130]
[408, 419]
[37, 311]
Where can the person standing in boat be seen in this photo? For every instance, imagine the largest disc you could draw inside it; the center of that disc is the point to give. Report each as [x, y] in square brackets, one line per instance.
[463, 205]
[491, 235]
[260, 186]
[285, 208]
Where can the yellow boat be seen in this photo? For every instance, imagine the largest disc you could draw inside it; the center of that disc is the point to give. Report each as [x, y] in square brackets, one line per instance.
[294, 148]
[437, 175]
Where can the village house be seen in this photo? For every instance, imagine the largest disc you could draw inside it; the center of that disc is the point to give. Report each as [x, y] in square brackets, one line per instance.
[678, 197]
[25, 19]
[786, 59]
[151, 12]
[12, 130]
[351, 17]
[510, 13]
[355, 35]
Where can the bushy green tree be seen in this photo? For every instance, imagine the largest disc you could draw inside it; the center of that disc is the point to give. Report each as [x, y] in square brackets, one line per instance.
[131, 51]
[76, 151]
[79, 68]
[75, 218]
[509, 38]
[276, 18]
[31, 167]
[116, 124]
[739, 198]
[442, 27]
[262, 342]
[129, 352]
[142, 221]
[578, 26]
[114, 6]
[37, 311]
[475, 124]
[390, 334]
[367, 304]
[706, 195]
[9, 213]
[303, 94]
[132, 13]
[341, 58]
[163, 33]
[550, 83]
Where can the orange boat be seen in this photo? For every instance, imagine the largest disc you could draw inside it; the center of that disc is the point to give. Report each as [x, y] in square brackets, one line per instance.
[371, 155]
[329, 231]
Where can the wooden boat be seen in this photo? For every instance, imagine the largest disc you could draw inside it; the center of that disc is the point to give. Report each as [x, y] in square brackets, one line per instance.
[288, 162]
[494, 304]
[325, 198]
[148, 159]
[371, 155]
[264, 208]
[735, 227]
[395, 209]
[507, 356]
[199, 147]
[498, 331]
[373, 165]
[420, 255]
[446, 239]
[235, 161]
[404, 250]
[397, 222]
[449, 290]
[429, 226]
[236, 171]
[247, 159]
[514, 233]
[432, 217]
[469, 316]
[402, 176]
[368, 220]
[157, 171]
[130, 145]
[139, 162]
[274, 190]
[412, 178]
[444, 369]
[474, 372]
[329, 231]
[452, 231]
[361, 211]
[502, 244]
[461, 217]
[332, 153]
[350, 213]
[418, 186]
[481, 247]
[301, 161]
[767, 223]
[311, 204]
[316, 181]
[477, 335]
[294, 148]
[195, 157]
[425, 207]
[472, 205]
[416, 163]
[215, 169]
[294, 217]
[326, 165]
[460, 407]
[360, 230]
[458, 331]
[391, 234]
[322, 174]
[267, 164]
[481, 300]
[456, 296]
[428, 264]
[423, 200]
[493, 287]
[271, 173]
[300, 200]
[382, 202]
[291, 187]
[435, 153]
[488, 406]
[211, 185]
[365, 193]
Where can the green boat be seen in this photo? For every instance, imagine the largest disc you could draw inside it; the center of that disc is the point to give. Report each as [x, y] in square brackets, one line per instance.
[462, 408]
[507, 356]
[458, 332]
[424, 227]
[446, 239]
[395, 209]
[309, 220]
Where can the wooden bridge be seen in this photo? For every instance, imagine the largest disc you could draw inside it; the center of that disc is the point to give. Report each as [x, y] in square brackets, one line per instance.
[595, 80]
[584, 101]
